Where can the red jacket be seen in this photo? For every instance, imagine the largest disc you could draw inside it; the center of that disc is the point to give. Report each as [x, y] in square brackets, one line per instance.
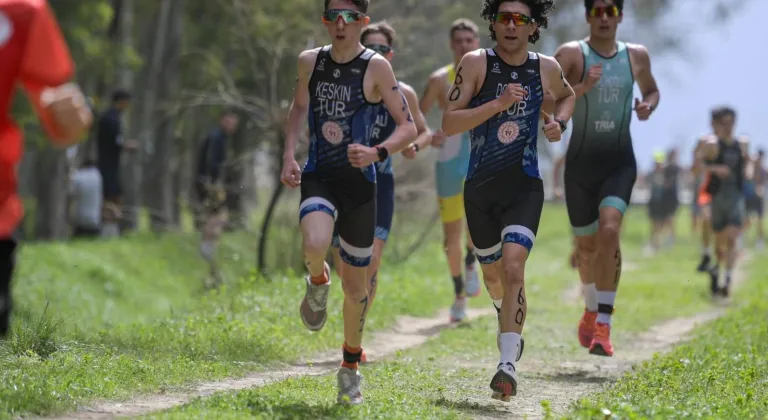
[33, 53]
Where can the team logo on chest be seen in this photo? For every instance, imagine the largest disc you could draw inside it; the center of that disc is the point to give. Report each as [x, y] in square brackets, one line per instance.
[508, 132]
[332, 132]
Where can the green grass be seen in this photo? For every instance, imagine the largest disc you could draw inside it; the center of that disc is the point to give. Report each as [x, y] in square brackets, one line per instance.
[448, 376]
[720, 374]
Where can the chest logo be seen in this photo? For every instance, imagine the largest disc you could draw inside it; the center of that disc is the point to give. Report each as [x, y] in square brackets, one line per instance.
[336, 73]
[332, 132]
[508, 132]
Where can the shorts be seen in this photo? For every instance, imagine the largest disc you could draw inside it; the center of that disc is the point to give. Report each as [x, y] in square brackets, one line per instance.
[727, 212]
[585, 195]
[111, 185]
[754, 205]
[385, 208]
[212, 199]
[351, 201]
[450, 172]
[7, 266]
[494, 218]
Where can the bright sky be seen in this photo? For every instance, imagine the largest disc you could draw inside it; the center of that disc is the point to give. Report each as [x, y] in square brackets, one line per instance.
[724, 65]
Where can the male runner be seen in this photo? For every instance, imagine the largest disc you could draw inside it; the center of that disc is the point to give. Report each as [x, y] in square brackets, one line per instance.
[600, 168]
[755, 195]
[380, 38]
[343, 84]
[498, 94]
[726, 158]
[34, 54]
[211, 191]
[703, 200]
[451, 168]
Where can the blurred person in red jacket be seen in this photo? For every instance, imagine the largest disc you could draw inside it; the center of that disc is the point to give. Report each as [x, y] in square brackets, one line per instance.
[33, 54]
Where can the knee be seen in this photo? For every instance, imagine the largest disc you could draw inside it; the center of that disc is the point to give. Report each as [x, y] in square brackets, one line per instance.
[355, 288]
[490, 274]
[608, 232]
[315, 244]
[513, 272]
[586, 247]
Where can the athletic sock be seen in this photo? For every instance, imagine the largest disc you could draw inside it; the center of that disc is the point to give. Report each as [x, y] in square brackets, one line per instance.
[510, 347]
[705, 251]
[605, 301]
[727, 277]
[321, 279]
[458, 285]
[351, 357]
[470, 258]
[590, 296]
[497, 305]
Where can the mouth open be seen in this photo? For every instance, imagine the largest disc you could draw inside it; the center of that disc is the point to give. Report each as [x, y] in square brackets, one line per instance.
[510, 37]
[340, 37]
[604, 27]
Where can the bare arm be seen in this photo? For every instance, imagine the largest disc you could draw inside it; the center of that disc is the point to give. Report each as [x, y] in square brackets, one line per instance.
[644, 77]
[559, 88]
[558, 167]
[457, 118]
[424, 134]
[397, 105]
[298, 112]
[431, 93]
[568, 55]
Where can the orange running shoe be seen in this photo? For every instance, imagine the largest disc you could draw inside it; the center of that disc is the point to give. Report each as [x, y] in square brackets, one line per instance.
[587, 328]
[601, 343]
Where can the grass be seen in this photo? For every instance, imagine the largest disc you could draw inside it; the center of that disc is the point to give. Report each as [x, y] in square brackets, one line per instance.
[448, 376]
[720, 374]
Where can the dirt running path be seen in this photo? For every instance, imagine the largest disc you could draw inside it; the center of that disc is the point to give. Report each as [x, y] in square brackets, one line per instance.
[575, 375]
[409, 332]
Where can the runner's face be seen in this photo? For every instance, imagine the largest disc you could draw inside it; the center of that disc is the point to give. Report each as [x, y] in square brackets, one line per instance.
[342, 32]
[723, 127]
[464, 41]
[604, 19]
[511, 37]
[379, 39]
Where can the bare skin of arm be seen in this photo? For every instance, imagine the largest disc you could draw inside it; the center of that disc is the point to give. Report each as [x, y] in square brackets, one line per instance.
[457, 118]
[555, 83]
[291, 172]
[641, 67]
[424, 134]
[571, 61]
[393, 98]
[435, 92]
[708, 152]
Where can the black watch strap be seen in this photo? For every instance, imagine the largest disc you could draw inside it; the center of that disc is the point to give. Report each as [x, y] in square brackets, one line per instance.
[382, 152]
[563, 125]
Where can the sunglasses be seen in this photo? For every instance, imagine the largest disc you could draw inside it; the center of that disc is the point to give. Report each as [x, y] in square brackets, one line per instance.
[518, 18]
[380, 48]
[610, 11]
[348, 16]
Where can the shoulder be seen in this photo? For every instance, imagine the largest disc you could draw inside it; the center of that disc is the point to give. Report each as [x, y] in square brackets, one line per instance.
[408, 90]
[637, 51]
[567, 50]
[548, 63]
[439, 75]
[307, 57]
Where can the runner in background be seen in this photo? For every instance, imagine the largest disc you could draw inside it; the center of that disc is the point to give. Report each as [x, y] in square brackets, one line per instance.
[34, 54]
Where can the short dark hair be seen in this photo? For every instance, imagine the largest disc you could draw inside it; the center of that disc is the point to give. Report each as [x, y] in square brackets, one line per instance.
[588, 4]
[761, 152]
[723, 111]
[539, 12]
[121, 95]
[383, 28]
[228, 112]
[362, 5]
[464, 24]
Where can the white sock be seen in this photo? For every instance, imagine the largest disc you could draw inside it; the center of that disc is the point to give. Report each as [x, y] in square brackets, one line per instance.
[605, 298]
[704, 250]
[510, 346]
[497, 304]
[728, 273]
[207, 249]
[590, 296]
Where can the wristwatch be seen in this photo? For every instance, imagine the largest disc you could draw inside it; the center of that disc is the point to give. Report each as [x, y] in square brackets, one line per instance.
[382, 152]
[563, 125]
[415, 147]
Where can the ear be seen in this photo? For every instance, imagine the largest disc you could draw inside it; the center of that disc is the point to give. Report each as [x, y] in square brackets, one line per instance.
[390, 54]
[366, 20]
[621, 16]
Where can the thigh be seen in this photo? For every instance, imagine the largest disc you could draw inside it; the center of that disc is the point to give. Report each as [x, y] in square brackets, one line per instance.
[616, 190]
[356, 223]
[316, 196]
[736, 214]
[520, 221]
[484, 226]
[581, 200]
[385, 205]
[719, 214]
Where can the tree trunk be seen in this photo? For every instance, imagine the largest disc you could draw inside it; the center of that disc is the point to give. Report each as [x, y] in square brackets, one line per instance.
[50, 211]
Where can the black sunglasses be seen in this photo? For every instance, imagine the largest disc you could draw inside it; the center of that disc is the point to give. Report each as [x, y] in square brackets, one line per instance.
[380, 48]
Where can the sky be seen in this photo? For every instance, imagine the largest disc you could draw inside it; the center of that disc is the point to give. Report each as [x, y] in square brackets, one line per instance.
[723, 66]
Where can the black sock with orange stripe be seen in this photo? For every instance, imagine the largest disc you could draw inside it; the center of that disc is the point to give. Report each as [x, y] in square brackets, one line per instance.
[351, 356]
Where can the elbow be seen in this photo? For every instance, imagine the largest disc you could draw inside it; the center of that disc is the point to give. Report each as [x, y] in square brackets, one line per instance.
[412, 131]
[446, 126]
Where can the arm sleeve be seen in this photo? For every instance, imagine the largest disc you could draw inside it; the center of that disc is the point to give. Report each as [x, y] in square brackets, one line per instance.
[46, 62]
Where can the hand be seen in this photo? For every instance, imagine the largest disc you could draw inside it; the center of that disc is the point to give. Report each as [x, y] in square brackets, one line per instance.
[558, 193]
[513, 92]
[438, 138]
[721, 171]
[290, 175]
[69, 111]
[594, 73]
[361, 156]
[410, 151]
[551, 129]
[643, 110]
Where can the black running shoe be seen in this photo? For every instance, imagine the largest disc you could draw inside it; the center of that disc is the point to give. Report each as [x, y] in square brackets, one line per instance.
[704, 264]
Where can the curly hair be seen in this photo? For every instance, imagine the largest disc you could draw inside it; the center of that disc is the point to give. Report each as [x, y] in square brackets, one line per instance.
[540, 10]
[383, 28]
[588, 4]
[723, 111]
[362, 5]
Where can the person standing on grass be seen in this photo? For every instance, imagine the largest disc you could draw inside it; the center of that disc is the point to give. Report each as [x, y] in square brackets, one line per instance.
[755, 195]
[497, 96]
[600, 166]
[85, 190]
[33, 53]
[342, 86]
[380, 38]
[211, 191]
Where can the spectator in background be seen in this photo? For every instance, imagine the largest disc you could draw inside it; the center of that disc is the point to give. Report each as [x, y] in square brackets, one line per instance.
[754, 192]
[657, 208]
[669, 195]
[210, 188]
[110, 145]
[85, 192]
